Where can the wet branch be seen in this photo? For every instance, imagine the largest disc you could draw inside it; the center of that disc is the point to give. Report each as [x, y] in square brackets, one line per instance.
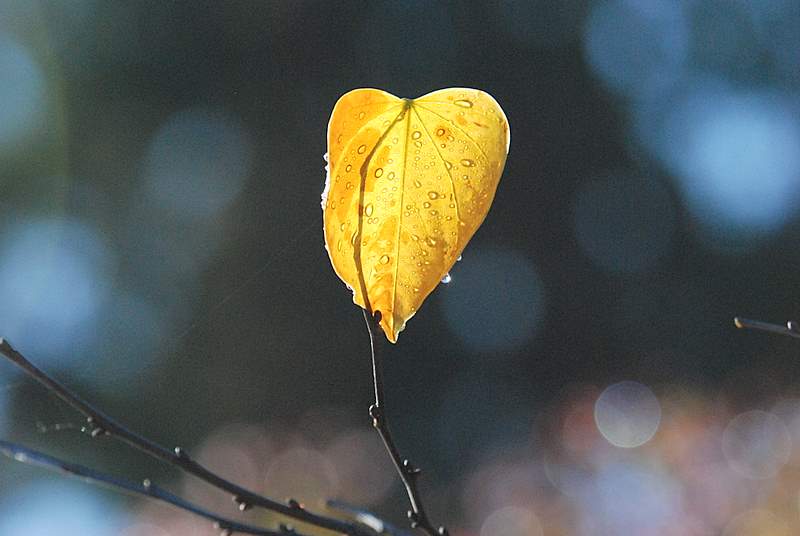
[791, 329]
[99, 424]
[367, 518]
[145, 489]
[408, 473]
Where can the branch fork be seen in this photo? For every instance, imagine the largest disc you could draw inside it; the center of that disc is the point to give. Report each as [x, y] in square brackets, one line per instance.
[100, 425]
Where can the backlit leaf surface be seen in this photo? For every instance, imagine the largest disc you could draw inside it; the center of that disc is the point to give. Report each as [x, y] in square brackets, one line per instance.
[409, 182]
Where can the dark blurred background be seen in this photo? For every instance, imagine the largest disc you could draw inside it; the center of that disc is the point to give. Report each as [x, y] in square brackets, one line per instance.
[161, 252]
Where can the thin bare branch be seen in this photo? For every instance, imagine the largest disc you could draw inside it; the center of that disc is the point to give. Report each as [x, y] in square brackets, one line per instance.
[145, 489]
[407, 471]
[791, 329]
[365, 517]
[100, 424]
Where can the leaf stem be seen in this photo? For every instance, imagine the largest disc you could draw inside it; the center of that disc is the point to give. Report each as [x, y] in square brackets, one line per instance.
[408, 473]
[100, 424]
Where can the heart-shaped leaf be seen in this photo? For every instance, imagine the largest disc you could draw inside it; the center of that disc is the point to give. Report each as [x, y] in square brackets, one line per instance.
[409, 182]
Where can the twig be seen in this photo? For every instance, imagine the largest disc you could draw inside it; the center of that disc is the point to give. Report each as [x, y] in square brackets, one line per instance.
[100, 424]
[408, 473]
[367, 518]
[145, 489]
[792, 328]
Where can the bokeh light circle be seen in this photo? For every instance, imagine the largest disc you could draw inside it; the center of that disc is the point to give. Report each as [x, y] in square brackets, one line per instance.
[3, 408]
[624, 223]
[317, 482]
[788, 410]
[628, 498]
[634, 46]
[197, 162]
[22, 94]
[756, 444]
[496, 300]
[734, 156]
[757, 522]
[56, 272]
[512, 521]
[365, 473]
[145, 529]
[627, 414]
[49, 507]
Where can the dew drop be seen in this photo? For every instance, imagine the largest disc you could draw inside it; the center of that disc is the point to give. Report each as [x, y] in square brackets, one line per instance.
[361, 115]
[414, 237]
[339, 138]
[378, 172]
[348, 168]
[416, 289]
[390, 176]
[418, 143]
[384, 259]
[446, 279]
[342, 226]
[450, 137]
[467, 162]
[426, 204]
[361, 149]
[463, 103]
[349, 185]
[339, 245]
[416, 135]
[417, 184]
[433, 213]
[448, 165]
[368, 210]
[439, 132]
[433, 195]
[430, 241]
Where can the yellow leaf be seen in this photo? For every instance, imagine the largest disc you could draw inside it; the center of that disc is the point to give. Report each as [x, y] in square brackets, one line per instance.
[409, 182]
